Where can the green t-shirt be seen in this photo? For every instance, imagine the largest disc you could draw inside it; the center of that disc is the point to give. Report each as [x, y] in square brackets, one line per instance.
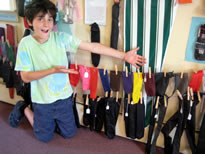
[33, 56]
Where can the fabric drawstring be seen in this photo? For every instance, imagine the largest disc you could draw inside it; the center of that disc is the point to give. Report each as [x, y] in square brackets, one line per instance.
[105, 80]
[85, 77]
[127, 82]
[150, 84]
[196, 80]
[137, 86]
[115, 80]
[93, 82]
[74, 78]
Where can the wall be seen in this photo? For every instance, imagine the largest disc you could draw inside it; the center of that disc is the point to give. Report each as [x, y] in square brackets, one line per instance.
[174, 59]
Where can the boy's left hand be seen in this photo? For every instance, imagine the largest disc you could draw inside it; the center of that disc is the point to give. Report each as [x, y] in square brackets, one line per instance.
[63, 69]
[72, 71]
[134, 59]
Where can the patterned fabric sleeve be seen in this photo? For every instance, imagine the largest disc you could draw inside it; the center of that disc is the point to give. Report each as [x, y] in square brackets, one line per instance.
[69, 42]
[23, 61]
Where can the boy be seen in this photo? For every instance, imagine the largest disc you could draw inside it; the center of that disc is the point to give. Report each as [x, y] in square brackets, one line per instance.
[42, 60]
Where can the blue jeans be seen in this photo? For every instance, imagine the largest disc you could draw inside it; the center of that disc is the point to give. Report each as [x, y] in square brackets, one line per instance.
[48, 116]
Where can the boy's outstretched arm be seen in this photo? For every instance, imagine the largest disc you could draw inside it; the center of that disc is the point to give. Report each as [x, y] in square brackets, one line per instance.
[36, 75]
[130, 56]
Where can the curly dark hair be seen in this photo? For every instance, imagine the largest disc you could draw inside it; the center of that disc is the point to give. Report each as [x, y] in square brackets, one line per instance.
[37, 6]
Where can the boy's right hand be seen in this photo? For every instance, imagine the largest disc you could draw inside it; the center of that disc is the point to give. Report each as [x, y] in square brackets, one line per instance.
[63, 69]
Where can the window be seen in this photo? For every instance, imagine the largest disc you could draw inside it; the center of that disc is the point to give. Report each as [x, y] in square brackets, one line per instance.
[7, 5]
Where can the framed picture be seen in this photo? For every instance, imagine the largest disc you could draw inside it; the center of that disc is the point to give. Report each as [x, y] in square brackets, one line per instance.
[193, 33]
[8, 16]
[95, 11]
[8, 5]
[8, 11]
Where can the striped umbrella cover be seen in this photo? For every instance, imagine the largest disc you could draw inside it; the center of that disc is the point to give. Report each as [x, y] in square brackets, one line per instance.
[147, 24]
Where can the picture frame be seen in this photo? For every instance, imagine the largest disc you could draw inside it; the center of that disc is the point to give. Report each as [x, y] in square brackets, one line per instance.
[8, 16]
